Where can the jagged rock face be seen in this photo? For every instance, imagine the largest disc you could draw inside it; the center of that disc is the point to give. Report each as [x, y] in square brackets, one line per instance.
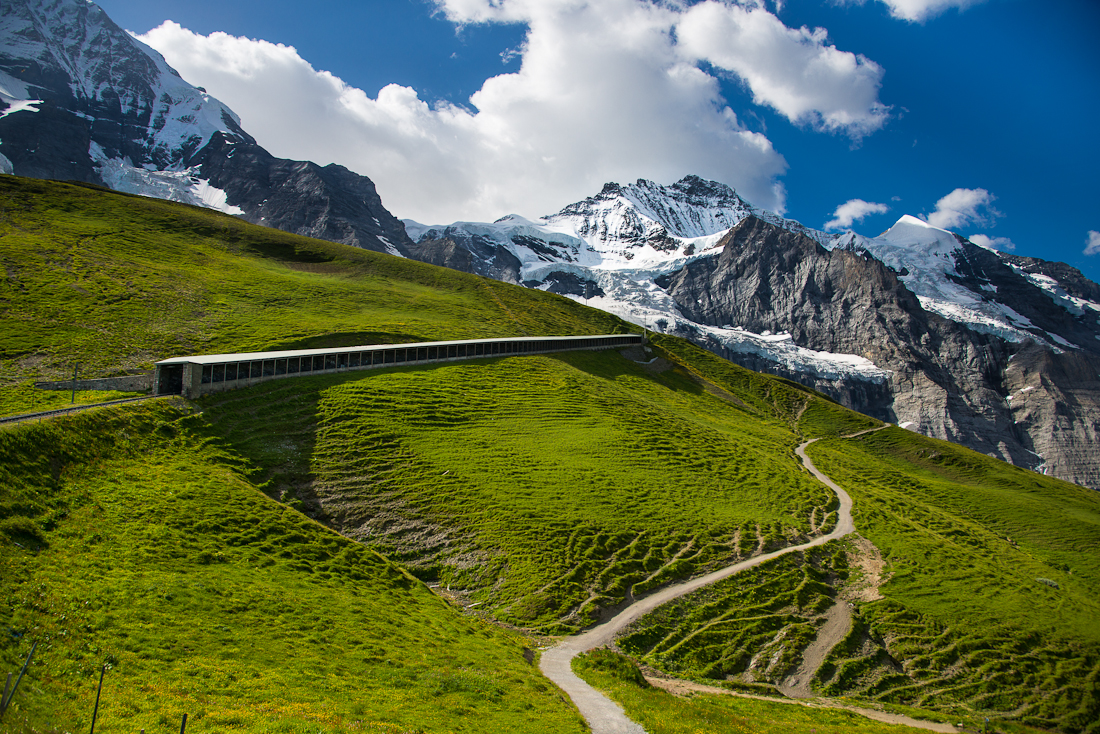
[102, 86]
[946, 379]
[470, 253]
[1068, 277]
[1052, 388]
[569, 284]
[82, 100]
[770, 279]
[991, 275]
[1055, 401]
[327, 202]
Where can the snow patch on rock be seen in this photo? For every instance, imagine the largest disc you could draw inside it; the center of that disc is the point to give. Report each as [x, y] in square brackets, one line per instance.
[16, 96]
[184, 186]
[924, 258]
[1073, 304]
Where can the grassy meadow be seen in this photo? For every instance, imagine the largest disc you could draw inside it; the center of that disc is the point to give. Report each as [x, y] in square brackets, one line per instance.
[731, 631]
[661, 712]
[992, 600]
[987, 606]
[129, 540]
[115, 282]
[261, 558]
[545, 488]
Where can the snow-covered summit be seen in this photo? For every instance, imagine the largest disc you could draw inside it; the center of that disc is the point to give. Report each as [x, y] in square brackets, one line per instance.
[928, 260]
[82, 100]
[642, 228]
[109, 77]
[647, 212]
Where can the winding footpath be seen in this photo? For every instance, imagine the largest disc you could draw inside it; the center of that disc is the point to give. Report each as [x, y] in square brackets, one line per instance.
[605, 716]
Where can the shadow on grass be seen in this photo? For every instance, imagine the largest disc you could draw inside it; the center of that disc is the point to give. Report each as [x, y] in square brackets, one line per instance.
[613, 367]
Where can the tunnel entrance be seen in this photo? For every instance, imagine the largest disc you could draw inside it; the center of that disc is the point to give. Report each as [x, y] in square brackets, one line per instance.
[170, 380]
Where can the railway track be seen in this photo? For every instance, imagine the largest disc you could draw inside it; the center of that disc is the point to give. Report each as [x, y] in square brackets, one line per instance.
[42, 415]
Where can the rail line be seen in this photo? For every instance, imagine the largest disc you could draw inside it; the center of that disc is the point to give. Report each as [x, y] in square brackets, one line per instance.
[71, 409]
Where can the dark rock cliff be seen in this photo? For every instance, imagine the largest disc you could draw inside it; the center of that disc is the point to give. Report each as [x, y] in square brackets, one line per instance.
[459, 250]
[327, 202]
[102, 99]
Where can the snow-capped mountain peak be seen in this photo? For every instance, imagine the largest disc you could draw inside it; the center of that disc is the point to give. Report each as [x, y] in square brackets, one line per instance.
[81, 99]
[80, 51]
[647, 212]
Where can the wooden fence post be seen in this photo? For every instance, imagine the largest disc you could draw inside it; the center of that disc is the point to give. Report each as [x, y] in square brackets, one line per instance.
[95, 711]
[6, 701]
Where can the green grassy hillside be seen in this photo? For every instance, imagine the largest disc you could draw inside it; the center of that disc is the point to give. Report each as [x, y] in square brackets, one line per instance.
[992, 601]
[544, 487]
[115, 282]
[131, 541]
[988, 603]
[190, 544]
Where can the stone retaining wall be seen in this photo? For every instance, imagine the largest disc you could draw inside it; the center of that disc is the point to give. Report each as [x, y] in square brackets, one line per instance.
[125, 383]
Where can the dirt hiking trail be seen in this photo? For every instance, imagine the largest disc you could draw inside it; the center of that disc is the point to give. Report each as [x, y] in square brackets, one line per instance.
[605, 716]
[686, 688]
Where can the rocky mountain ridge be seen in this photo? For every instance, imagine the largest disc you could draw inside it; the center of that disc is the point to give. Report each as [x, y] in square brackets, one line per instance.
[85, 101]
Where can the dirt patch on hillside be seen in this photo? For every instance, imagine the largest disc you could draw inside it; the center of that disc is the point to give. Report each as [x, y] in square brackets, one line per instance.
[838, 620]
[645, 357]
[864, 558]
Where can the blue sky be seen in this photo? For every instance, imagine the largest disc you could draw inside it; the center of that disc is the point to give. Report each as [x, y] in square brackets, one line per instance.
[896, 103]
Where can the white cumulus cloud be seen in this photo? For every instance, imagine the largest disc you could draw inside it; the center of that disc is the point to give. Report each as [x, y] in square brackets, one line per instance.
[1092, 245]
[852, 211]
[794, 71]
[918, 11]
[605, 91]
[962, 207]
[1003, 244]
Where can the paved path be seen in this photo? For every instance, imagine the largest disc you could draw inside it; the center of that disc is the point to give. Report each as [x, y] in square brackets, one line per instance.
[605, 716]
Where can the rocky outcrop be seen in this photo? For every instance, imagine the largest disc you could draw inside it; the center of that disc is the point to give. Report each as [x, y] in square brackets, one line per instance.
[992, 275]
[459, 250]
[1055, 403]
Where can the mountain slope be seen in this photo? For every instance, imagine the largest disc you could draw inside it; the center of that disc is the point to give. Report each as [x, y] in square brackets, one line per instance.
[542, 490]
[163, 280]
[128, 540]
[85, 101]
[917, 326]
